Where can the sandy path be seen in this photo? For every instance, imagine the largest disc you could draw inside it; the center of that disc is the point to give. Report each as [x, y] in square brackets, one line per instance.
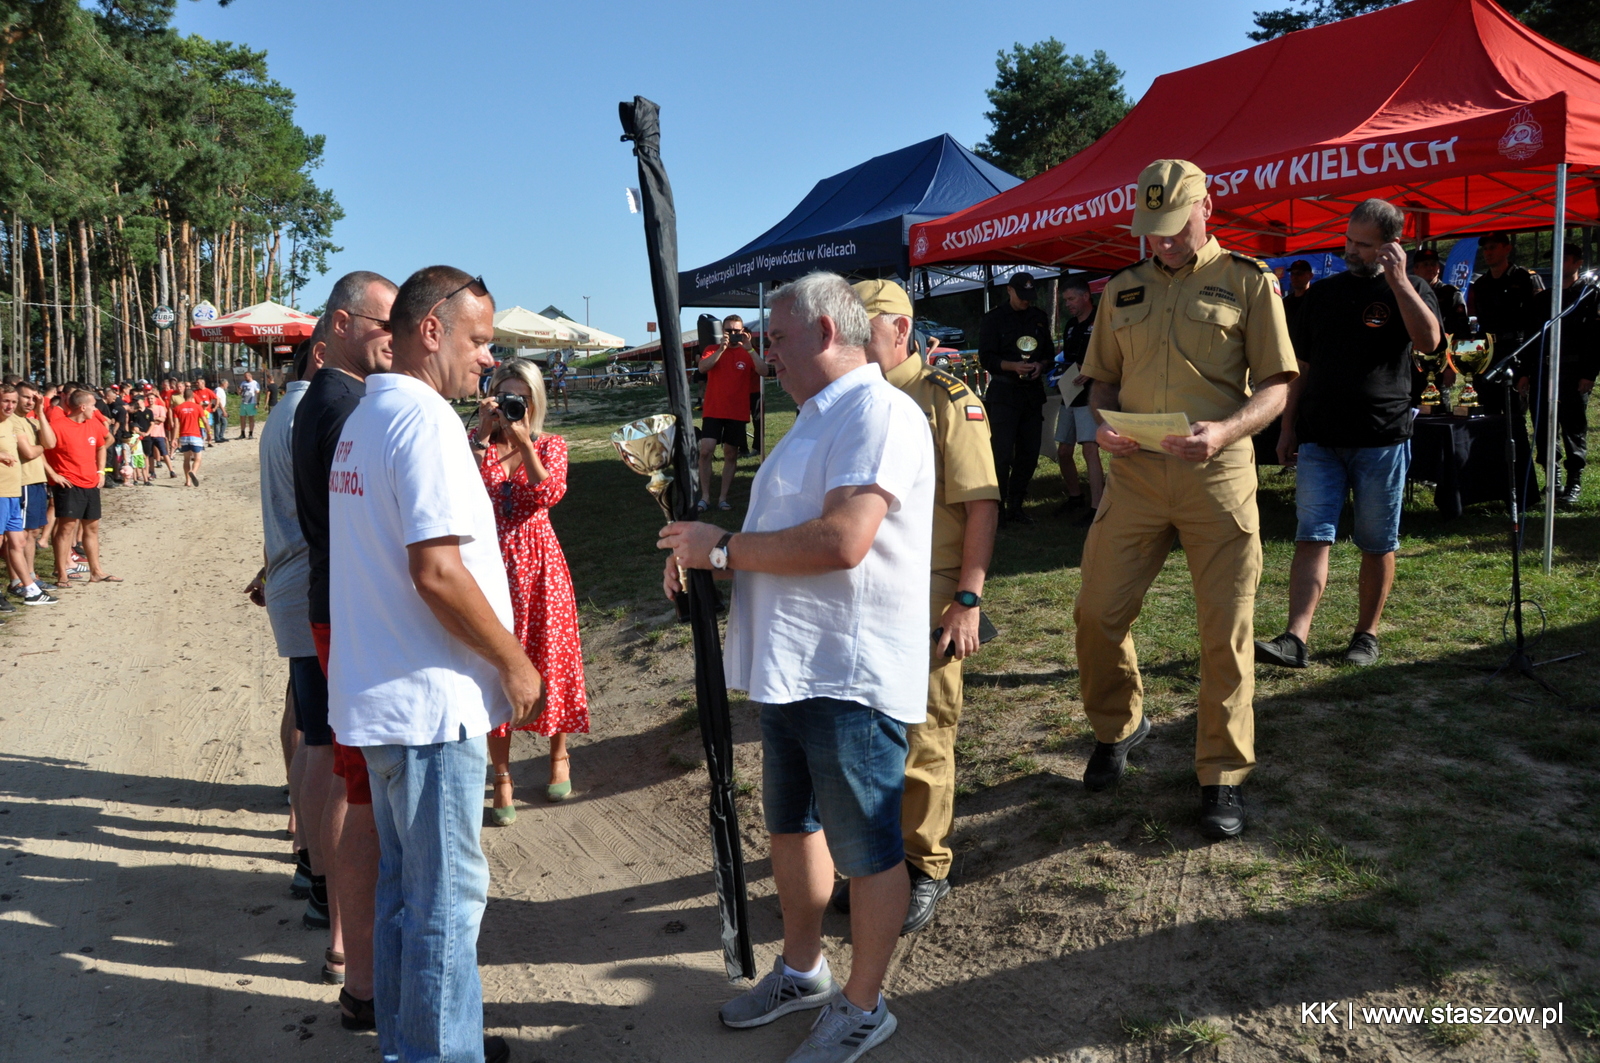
[144, 911]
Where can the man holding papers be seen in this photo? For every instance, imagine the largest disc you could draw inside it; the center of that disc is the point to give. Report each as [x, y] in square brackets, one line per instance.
[1193, 336]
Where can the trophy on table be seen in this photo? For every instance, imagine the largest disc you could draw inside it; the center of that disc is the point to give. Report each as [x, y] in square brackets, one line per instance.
[1470, 355]
[1431, 363]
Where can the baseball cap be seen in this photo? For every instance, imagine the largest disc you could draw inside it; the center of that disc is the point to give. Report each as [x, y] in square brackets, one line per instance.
[1022, 283]
[1497, 238]
[1299, 264]
[883, 297]
[1427, 254]
[1167, 189]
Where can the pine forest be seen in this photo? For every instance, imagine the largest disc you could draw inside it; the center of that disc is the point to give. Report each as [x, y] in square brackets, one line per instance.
[142, 169]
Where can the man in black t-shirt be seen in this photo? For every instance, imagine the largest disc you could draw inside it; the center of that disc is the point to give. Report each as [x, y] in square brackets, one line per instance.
[1347, 424]
[357, 345]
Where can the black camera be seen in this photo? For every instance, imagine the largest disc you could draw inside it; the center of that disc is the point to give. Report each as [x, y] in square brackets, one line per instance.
[512, 407]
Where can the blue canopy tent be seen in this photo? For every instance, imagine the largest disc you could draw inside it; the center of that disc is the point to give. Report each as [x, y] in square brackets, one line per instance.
[856, 223]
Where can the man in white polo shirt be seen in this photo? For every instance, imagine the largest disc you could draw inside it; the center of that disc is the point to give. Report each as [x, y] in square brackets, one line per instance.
[828, 632]
[423, 662]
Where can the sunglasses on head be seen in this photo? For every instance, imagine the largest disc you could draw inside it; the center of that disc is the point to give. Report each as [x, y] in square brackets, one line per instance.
[478, 280]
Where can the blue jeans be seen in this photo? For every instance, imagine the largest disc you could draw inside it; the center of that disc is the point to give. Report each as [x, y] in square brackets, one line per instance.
[433, 884]
[1376, 476]
[838, 766]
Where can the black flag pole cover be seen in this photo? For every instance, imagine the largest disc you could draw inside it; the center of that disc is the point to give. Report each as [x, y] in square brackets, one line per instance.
[641, 124]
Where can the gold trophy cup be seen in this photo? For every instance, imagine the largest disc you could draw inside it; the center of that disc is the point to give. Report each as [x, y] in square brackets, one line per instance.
[1471, 355]
[1430, 363]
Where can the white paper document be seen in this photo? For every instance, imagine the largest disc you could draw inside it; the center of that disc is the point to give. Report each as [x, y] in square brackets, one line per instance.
[1147, 429]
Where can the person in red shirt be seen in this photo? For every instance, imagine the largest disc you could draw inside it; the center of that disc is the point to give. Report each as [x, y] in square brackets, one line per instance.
[732, 372]
[207, 400]
[79, 460]
[189, 417]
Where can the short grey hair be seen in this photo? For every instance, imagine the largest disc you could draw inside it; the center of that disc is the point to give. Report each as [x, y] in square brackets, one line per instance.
[350, 290]
[1390, 219]
[823, 294]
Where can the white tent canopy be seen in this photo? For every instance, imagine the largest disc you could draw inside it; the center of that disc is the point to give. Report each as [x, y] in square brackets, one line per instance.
[520, 327]
[594, 339]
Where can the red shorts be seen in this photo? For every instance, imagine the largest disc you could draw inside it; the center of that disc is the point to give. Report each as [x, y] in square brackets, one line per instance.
[348, 763]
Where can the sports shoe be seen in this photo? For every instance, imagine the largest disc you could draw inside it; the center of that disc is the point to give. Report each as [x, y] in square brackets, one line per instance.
[1285, 651]
[5, 606]
[926, 893]
[1363, 649]
[1221, 812]
[777, 995]
[1110, 759]
[300, 886]
[39, 598]
[315, 916]
[843, 1032]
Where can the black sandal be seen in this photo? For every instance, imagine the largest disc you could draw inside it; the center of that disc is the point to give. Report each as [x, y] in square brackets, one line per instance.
[330, 960]
[356, 1014]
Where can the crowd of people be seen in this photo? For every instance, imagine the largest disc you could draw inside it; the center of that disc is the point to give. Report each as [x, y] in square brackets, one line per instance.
[413, 580]
[62, 444]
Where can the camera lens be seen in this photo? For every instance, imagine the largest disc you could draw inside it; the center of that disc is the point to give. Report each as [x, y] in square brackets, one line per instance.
[512, 407]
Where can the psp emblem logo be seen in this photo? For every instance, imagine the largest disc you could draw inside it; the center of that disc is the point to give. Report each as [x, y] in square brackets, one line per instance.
[1524, 137]
[921, 247]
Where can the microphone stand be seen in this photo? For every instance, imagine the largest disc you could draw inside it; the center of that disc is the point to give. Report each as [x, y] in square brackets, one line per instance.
[1503, 373]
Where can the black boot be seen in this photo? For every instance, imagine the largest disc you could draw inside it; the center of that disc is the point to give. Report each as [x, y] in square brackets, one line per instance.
[1568, 496]
[1110, 759]
[1221, 812]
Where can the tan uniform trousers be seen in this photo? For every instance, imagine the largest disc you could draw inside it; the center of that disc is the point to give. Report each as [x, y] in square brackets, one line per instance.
[1211, 507]
[927, 810]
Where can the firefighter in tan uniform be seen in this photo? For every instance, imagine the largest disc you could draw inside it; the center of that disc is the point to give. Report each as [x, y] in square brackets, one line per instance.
[966, 511]
[1196, 330]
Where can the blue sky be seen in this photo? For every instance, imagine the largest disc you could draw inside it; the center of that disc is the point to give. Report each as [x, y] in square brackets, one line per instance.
[484, 134]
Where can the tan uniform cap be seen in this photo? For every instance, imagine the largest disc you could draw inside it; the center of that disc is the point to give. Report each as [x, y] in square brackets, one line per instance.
[1167, 189]
[883, 297]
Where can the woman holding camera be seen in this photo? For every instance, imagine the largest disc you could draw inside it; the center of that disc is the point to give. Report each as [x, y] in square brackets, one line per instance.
[525, 470]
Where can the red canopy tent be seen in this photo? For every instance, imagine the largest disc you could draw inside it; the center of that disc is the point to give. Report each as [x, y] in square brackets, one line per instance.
[1450, 108]
[262, 324]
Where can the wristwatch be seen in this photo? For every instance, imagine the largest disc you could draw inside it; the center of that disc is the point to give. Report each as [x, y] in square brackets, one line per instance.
[967, 598]
[719, 553]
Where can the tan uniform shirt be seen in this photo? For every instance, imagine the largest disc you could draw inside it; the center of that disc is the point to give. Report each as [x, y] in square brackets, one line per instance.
[32, 471]
[10, 475]
[963, 458]
[1191, 341]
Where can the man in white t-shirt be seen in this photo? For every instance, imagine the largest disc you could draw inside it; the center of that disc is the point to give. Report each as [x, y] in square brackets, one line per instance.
[423, 662]
[828, 632]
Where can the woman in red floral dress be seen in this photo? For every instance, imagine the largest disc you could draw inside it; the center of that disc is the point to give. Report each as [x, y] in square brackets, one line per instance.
[525, 470]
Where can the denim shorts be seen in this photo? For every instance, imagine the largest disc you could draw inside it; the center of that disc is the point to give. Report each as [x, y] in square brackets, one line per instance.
[1376, 476]
[836, 766]
[1075, 424]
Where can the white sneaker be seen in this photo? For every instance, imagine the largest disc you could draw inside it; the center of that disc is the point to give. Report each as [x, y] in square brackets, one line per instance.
[844, 1033]
[777, 995]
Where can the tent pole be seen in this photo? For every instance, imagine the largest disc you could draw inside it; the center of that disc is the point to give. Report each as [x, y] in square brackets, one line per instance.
[761, 352]
[1553, 368]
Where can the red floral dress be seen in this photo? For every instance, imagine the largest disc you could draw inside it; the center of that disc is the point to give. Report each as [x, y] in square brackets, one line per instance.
[542, 601]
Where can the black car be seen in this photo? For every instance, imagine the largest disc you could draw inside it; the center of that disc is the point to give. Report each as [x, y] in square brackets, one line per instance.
[945, 334]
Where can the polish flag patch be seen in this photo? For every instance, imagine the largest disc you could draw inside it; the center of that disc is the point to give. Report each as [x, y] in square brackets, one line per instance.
[974, 413]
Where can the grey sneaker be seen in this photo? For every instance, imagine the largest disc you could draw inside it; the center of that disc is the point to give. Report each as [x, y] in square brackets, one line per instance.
[843, 1033]
[777, 995]
[1363, 649]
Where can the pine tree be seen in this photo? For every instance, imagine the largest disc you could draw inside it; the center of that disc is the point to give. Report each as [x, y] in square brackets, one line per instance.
[1048, 106]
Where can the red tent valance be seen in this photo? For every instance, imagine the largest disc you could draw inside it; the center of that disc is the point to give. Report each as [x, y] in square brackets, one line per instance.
[1449, 108]
[267, 322]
